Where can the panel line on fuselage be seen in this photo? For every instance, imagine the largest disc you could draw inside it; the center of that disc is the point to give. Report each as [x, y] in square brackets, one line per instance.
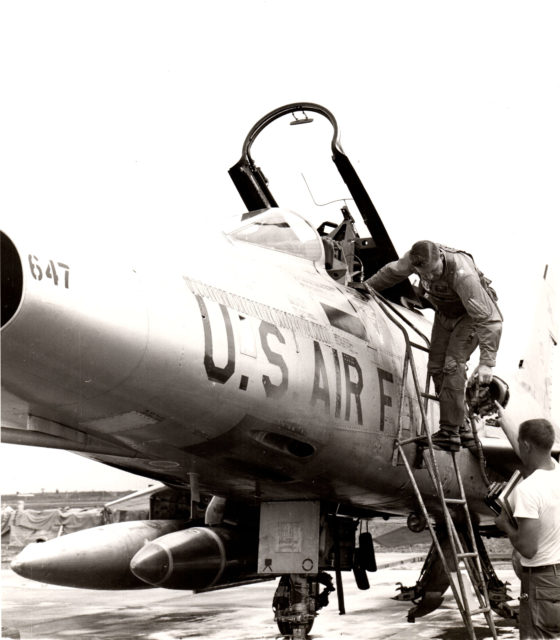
[259, 310]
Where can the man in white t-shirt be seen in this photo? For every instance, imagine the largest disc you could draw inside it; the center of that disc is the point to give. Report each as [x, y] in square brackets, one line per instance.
[536, 507]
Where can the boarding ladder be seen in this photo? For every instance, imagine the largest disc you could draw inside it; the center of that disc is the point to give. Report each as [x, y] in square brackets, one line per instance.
[469, 559]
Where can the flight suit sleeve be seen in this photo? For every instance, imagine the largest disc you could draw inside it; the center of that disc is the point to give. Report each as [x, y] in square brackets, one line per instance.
[391, 274]
[486, 315]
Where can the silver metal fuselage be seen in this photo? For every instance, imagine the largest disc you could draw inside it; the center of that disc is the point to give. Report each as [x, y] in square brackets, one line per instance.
[256, 371]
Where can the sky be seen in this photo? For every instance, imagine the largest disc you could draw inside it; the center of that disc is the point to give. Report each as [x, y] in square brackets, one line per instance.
[120, 120]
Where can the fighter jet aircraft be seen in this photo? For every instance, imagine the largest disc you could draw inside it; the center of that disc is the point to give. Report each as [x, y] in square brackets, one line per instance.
[265, 389]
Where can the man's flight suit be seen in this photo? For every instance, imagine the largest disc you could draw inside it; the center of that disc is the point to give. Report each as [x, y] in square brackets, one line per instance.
[466, 316]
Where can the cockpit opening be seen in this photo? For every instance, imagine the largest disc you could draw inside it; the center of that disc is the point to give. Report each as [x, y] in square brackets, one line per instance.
[338, 248]
[281, 230]
[348, 257]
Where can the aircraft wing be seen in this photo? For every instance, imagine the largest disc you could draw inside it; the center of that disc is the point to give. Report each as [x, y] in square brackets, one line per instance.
[135, 500]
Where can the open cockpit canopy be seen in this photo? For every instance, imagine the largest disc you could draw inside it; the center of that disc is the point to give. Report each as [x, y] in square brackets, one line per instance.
[347, 256]
[281, 230]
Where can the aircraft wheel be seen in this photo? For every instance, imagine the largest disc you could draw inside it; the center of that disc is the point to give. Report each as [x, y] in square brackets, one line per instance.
[289, 620]
[367, 553]
[287, 628]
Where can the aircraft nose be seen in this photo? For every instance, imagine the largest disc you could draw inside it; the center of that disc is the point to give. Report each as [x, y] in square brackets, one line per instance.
[152, 564]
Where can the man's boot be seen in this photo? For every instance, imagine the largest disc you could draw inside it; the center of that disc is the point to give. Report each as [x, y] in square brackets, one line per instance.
[467, 437]
[446, 439]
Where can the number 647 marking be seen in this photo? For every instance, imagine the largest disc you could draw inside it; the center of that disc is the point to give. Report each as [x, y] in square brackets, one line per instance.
[50, 271]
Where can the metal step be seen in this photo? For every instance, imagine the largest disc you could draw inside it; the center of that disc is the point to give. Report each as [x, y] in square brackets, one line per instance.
[401, 443]
[422, 347]
[430, 396]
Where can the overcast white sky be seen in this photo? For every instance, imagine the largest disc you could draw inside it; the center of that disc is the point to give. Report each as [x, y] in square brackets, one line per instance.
[122, 117]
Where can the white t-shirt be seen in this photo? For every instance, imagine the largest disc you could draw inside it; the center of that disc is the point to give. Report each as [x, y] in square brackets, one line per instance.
[538, 496]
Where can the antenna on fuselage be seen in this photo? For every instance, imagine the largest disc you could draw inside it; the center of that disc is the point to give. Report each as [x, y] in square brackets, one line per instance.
[324, 204]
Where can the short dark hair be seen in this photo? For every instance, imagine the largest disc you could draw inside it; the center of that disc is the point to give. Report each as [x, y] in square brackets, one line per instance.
[423, 253]
[539, 432]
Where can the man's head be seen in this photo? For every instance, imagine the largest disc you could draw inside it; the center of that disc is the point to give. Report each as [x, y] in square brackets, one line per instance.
[426, 260]
[535, 437]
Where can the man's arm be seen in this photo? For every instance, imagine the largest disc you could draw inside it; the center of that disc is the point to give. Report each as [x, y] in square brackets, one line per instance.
[525, 537]
[391, 274]
[487, 318]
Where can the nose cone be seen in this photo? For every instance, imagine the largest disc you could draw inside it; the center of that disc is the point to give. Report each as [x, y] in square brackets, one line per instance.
[96, 558]
[57, 562]
[190, 559]
[21, 565]
[152, 564]
[49, 562]
[35, 562]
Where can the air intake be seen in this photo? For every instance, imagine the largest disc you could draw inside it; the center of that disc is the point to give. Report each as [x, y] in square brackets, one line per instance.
[12, 278]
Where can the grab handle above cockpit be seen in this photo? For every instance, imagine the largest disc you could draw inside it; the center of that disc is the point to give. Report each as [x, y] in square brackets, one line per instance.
[252, 185]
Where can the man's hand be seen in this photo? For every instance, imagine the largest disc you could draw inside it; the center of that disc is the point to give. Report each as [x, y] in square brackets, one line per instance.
[484, 374]
[502, 522]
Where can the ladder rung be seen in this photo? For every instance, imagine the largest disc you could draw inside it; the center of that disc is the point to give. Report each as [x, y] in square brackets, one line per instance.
[469, 554]
[401, 443]
[455, 501]
[430, 396]
[482, 610]
[422, 347]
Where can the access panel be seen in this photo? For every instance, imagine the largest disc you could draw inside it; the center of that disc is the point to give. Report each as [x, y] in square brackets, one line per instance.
[289, 538]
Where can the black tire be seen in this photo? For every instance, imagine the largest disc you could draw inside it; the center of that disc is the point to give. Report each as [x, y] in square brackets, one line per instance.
[362, 581]
[367, 554]
[287, 628]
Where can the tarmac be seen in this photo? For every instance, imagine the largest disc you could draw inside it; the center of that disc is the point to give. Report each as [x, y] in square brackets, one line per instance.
[35, 611]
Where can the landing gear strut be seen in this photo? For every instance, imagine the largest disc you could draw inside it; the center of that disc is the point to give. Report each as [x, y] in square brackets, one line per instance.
[297, 600]
[427, 593]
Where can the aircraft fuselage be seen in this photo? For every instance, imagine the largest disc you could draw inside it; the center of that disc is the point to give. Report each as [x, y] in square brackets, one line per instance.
[258, 372]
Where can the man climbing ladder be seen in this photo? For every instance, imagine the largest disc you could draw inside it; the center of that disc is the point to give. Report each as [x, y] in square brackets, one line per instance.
[466, 316]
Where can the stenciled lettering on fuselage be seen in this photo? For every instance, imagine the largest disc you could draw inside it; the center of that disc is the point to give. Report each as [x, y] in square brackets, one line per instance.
[215, 373]
[353, 383]
[340, 397]
[58, 272]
